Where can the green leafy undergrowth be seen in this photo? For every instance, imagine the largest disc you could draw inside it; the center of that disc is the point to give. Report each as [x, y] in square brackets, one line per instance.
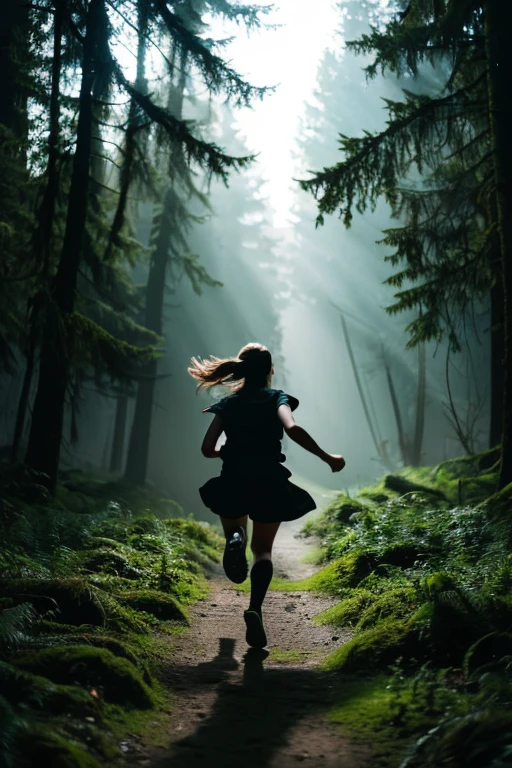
[421, 570]
[91, 584]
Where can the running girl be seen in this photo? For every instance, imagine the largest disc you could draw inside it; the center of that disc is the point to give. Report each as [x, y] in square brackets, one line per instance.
[253, 482]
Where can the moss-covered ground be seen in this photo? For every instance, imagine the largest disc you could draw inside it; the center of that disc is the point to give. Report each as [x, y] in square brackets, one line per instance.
[93, 585]
[421, 569]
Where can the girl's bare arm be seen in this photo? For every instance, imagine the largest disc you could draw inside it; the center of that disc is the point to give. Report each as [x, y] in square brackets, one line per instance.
[304, 439]
[214, 431]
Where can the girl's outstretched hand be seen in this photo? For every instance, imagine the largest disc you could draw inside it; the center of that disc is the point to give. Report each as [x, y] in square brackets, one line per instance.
[335, 462]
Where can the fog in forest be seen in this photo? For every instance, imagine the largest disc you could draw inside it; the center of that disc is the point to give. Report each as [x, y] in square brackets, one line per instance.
[314, 295]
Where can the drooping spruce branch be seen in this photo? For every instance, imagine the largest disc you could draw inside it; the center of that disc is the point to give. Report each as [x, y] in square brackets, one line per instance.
[208, 156]
[376, 163]
[218, 76]
[249, 15]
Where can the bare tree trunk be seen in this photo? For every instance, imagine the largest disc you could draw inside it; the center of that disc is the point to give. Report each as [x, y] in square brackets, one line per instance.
[420, 408]
[402, 437]
[359, 385]
[116, 456]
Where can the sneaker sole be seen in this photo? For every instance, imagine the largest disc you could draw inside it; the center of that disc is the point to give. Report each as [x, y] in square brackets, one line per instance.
[255, 635]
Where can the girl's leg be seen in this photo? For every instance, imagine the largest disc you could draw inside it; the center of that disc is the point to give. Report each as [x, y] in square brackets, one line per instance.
[263, 536]
[235, 560]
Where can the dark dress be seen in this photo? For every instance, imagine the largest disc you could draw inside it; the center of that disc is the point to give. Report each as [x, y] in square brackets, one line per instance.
[253, 480]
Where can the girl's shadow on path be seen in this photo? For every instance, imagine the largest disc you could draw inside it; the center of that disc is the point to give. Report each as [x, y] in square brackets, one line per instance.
[252, 715]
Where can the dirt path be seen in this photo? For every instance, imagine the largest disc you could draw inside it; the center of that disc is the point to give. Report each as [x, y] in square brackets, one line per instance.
[244, 708]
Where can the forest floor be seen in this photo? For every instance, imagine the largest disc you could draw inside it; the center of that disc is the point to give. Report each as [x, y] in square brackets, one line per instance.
[238, 706]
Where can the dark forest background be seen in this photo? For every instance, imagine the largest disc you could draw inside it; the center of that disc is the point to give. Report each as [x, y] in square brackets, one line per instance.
[136, 232]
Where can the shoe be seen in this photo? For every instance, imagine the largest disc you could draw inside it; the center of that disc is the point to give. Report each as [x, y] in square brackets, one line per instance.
[255, 634]
[234, 560]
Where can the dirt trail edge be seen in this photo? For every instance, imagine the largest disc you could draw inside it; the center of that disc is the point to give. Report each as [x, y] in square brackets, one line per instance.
[236, 706]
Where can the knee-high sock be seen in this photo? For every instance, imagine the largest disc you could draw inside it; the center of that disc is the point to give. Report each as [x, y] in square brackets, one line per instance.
[261, 576]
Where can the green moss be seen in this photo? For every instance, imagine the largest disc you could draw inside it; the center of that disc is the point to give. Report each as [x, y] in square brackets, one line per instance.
[469, 466]
[377, 647]
[42, 747]
[402, 485]
[122, 618]
[40, 694]
[435, 584]
[348, 612]
[110, 562]
[347, 571]
[125, 650]
[157, 604]
[388, 713]
[396, 603]
[103, 542]
[93, 668]
[73, 600]
[448, 629]
[342, 509]
[192, 529]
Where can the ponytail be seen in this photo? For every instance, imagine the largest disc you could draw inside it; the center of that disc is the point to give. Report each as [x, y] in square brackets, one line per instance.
[252, 368]
[218, 370]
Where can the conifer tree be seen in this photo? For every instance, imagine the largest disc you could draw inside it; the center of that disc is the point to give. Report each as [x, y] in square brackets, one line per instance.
[67, 333]
[171, 255]
[451, 138]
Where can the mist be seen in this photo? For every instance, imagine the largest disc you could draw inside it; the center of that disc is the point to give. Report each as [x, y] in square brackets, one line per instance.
[285, 283]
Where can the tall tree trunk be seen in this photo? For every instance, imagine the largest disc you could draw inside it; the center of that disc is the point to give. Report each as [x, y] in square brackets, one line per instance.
[116, 456]
[359, 385]
[420, 408]
[497, 352]
[138, 449]
[21, 411]
[43, 236]
[402, 437]
[48, 415]
[498, 26]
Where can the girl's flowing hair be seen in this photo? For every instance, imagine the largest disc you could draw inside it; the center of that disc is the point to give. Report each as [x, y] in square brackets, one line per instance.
[250, 370]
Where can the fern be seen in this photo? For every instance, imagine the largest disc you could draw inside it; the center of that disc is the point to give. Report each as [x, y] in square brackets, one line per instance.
[14, 623]
[10, 723]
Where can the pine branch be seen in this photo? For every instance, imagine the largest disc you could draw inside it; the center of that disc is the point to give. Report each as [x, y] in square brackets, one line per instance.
[208, 156]
[218, 76]
[249, 15]
[376, 162]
